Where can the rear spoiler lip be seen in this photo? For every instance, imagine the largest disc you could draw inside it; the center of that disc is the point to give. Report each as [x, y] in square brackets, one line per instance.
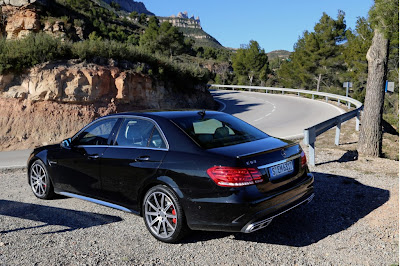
[266, 151]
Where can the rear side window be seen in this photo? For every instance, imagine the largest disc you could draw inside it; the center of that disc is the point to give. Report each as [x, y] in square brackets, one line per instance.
[218, 130]
[139, 133]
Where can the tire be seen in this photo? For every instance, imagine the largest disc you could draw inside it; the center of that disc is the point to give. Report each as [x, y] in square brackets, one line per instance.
[163, 215]
[39, 181]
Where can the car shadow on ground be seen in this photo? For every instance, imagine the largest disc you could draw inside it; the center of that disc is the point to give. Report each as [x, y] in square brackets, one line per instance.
[338, 204]
[70, 219]
[239, 107]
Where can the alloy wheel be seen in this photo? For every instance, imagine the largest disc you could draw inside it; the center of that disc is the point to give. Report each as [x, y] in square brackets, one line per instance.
[160, 214]
[38, 179]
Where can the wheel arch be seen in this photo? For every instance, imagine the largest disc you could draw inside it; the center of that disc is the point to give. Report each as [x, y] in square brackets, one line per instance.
[161, 180]
[42, 156]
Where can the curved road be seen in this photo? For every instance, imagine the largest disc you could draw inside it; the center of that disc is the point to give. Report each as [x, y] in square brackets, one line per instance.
[277, 115]
[281, 116]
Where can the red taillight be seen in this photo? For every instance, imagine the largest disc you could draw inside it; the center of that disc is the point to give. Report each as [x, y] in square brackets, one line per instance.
[233, 176]
[303, 159]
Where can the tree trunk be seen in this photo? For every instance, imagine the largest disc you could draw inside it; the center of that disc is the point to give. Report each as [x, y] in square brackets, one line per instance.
[319, 81]
[251, 79]
[370, 142]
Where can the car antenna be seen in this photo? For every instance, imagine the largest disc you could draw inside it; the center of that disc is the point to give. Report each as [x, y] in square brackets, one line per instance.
[202, 113]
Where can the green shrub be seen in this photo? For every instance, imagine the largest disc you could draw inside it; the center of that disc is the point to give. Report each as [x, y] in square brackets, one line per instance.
[17, 55]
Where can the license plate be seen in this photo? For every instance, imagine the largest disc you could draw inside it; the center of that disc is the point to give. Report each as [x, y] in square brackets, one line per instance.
[281, 169]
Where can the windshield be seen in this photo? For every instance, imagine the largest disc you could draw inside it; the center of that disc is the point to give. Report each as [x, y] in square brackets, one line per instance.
[218, 130]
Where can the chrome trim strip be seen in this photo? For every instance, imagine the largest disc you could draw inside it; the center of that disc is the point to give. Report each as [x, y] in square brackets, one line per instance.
[104, 203]
[125, 147]
[52, 162]
[279, 162]
[252, 227]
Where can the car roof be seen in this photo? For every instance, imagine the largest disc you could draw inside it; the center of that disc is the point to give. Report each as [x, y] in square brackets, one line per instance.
[168, 114]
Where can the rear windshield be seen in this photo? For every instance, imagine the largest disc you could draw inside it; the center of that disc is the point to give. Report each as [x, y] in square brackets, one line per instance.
[218, 130]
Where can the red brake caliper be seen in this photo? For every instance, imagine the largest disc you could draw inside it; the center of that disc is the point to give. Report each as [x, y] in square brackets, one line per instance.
[174, 213]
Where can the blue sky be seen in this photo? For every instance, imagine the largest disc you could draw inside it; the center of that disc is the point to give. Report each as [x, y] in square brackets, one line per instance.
[273, 24]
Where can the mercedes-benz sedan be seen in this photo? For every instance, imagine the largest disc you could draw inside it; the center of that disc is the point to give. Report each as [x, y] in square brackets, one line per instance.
[180, 170]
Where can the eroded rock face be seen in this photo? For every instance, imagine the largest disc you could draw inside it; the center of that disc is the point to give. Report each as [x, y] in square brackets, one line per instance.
[56, 28]
[20, 21]
[20, 2]
[87, 82]
[53, 101]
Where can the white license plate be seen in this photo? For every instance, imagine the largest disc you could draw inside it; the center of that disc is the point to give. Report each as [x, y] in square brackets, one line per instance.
[281, 169]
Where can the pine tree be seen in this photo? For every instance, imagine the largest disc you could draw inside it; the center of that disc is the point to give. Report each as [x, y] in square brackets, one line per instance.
[317, 58]
[384, 18]
[251, 62]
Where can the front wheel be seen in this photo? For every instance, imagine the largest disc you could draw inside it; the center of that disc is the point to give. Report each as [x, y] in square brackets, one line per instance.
[163, 214]
[40, 181]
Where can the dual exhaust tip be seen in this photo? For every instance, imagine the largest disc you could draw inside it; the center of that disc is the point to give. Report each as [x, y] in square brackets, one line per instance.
[264, 223]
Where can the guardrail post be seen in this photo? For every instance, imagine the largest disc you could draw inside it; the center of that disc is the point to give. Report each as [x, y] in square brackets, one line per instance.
[338, 126]
[266, 91]
[283, 92]
[326, 98]
[348, 105]
[358, 120]
[249, 89]
[298, 94]
[338, 102]
[309, 139]
[313, 96]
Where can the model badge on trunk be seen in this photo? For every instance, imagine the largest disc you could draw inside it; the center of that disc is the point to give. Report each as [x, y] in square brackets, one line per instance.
[251, 162]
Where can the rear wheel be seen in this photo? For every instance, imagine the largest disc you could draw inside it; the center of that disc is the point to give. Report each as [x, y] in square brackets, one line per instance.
[163, 214]
[39, 180]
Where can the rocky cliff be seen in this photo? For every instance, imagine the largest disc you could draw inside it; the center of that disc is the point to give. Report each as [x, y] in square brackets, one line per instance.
[17, 22]
[80, 82]
[52, 101]
[21, 2]
[182, 20]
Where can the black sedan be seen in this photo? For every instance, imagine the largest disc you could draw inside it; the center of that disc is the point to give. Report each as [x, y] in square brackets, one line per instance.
[180, 170]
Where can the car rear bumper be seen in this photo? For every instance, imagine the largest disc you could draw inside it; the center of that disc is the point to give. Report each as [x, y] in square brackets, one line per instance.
[235, 214]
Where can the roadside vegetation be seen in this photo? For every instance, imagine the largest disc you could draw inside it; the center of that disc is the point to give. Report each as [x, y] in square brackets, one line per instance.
[17, 55]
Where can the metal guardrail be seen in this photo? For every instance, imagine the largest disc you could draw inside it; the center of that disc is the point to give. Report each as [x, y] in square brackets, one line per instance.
[311, 133]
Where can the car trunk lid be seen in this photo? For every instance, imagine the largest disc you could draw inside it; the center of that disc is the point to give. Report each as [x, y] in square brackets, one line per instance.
[278, 161]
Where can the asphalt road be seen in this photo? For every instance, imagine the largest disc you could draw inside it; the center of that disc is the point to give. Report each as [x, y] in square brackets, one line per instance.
[14, 159]
[278, 115]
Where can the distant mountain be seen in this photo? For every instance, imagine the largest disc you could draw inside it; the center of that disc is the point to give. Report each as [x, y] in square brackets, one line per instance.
[130, 6]
[191, 28]
[283, 54]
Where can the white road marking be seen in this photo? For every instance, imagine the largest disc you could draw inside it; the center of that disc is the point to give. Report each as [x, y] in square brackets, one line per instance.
[224, 105]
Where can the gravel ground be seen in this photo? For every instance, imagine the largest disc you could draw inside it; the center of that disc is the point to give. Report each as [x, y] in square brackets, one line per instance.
[353, 220]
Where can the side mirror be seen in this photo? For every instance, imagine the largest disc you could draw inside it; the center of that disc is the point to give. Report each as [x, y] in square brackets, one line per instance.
[66, 143]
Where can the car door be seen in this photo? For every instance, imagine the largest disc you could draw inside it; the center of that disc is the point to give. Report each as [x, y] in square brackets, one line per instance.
[78, 167]
[138, 151]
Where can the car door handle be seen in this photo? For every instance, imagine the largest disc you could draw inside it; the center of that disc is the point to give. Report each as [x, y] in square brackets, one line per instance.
[142, 158]
[93, 156]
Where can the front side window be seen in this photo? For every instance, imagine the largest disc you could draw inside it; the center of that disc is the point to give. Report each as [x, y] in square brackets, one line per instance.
[96, 134]
[139, 133]
[218, 130]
